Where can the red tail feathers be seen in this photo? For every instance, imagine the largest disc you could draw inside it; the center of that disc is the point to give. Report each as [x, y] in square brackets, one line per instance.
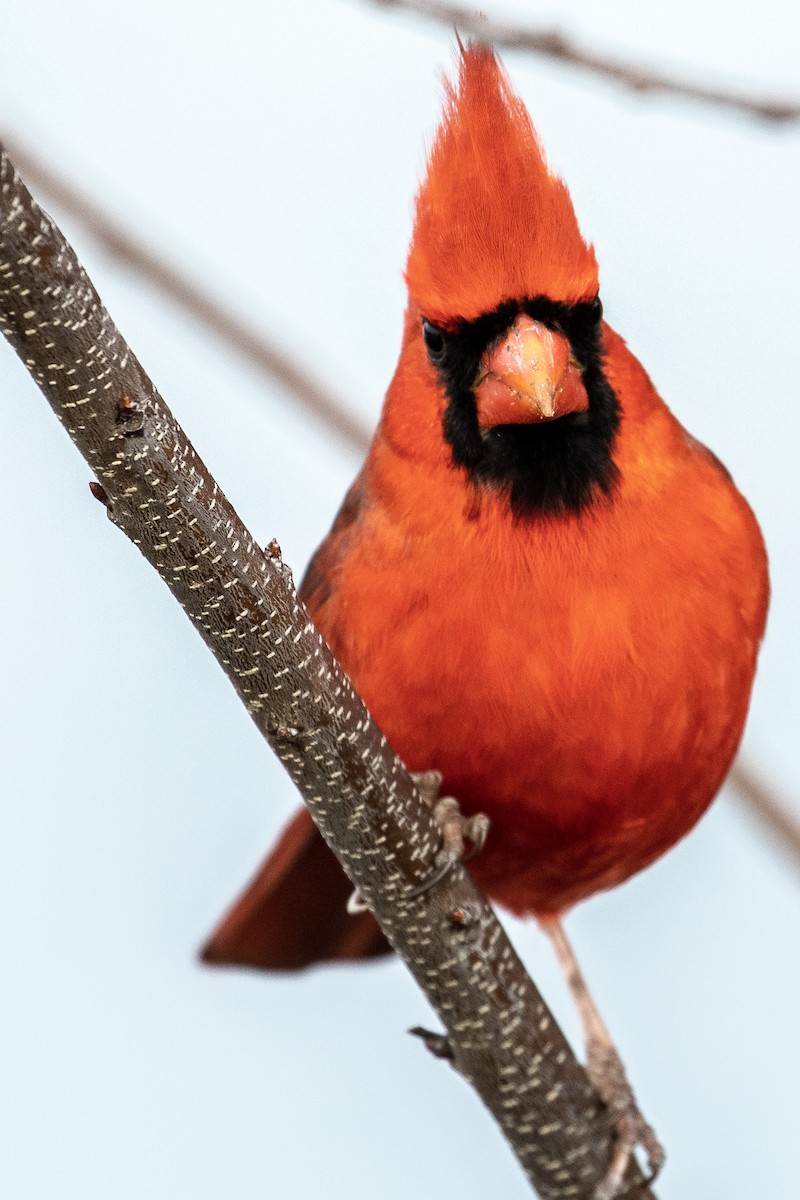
[294, 913]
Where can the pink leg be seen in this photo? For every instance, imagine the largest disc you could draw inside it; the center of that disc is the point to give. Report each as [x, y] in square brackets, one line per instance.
[605, 1069]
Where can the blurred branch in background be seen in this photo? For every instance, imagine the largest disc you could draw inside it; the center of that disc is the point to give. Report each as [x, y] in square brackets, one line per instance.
[773, 813]
[552, 44]
[149, 265]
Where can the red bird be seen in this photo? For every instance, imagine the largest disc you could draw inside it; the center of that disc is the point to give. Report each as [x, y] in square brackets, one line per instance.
[542, 586]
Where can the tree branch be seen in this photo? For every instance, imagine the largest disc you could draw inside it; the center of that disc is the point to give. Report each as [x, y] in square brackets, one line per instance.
[552, 44]
[242, 601]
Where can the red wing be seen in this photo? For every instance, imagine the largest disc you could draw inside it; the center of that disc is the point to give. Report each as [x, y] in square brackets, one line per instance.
[294, 912]
[319, 579]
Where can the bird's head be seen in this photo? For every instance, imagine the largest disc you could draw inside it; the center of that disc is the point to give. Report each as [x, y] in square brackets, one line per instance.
[503, 294]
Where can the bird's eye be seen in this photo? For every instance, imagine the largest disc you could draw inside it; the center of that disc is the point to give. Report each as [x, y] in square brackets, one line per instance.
[597, 309]
[434, 341]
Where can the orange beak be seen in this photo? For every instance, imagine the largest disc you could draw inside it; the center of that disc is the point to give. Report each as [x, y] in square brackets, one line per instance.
[529, 375]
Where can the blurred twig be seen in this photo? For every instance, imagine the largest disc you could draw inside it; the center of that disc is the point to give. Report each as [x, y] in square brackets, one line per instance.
[149, 265]
[752, 790]
[552, 44]
[773, 813]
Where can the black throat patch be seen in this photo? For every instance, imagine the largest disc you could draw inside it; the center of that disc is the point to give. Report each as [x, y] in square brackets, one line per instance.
[554, 467]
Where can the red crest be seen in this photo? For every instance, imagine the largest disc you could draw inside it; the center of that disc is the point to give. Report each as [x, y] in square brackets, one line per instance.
[493, 222]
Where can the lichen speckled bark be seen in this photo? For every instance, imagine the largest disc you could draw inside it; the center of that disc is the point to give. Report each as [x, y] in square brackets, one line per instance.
[242, 601]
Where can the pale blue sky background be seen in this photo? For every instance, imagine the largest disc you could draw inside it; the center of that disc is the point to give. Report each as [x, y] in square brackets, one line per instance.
[273, 150]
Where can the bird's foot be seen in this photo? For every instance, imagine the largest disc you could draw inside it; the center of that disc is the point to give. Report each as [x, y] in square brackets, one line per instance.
[462, 837]
[457, 830]
[605, 1069]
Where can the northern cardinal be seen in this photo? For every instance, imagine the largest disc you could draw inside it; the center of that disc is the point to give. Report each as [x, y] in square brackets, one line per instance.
[542, 586]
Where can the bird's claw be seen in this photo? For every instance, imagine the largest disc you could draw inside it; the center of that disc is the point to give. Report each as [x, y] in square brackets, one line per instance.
[462, 837]
[605, 1069]
[356, 903]
[427, 784]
